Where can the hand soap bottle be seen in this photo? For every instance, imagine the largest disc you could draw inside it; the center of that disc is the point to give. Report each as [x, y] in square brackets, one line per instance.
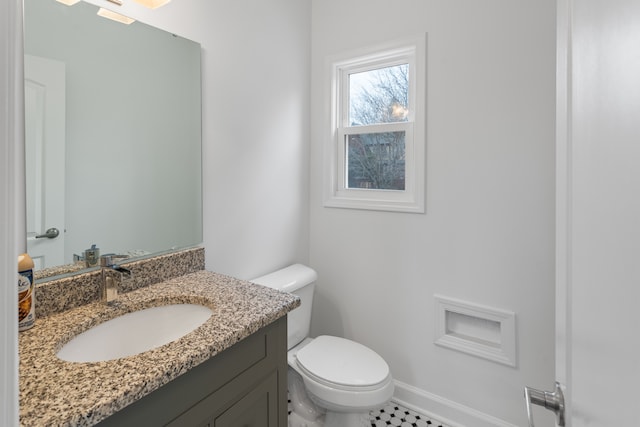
[26, 287]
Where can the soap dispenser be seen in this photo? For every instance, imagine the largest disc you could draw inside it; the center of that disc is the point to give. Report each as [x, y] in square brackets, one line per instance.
[92, 256]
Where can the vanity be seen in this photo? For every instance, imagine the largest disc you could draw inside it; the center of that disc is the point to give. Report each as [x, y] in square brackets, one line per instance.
[230, 371]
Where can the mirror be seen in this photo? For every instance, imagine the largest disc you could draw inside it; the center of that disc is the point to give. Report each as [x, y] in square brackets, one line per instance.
[113, 130]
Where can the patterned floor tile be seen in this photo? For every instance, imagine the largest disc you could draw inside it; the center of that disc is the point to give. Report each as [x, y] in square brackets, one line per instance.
[396, 415]
[399, 416]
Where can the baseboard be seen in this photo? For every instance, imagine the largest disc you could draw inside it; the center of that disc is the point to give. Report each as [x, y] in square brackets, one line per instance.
[447, 411]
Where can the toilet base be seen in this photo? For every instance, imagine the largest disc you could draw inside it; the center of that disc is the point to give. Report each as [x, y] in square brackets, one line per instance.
[296, 420]
[305, 413]
[338, 419]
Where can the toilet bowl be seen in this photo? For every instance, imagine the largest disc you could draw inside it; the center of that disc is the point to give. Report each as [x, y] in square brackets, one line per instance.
[333, 381]
[343, 378]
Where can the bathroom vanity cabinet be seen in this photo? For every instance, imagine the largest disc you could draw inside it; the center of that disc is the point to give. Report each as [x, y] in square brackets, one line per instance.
[245, 385]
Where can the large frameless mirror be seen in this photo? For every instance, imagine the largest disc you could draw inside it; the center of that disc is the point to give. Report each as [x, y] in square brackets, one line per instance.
[113, 137]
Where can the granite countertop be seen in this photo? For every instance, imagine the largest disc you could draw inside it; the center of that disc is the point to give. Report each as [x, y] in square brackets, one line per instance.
[55, 392]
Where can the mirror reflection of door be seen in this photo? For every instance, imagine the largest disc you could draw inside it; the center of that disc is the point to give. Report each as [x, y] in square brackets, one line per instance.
[45, 158]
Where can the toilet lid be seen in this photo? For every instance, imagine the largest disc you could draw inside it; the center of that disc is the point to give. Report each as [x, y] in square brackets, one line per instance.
[342, 361]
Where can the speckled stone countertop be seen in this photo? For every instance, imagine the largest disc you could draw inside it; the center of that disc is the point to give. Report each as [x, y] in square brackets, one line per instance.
[58, 393]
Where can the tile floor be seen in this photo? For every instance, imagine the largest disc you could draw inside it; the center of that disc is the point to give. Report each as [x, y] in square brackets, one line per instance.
[399, 416]
[396, 415]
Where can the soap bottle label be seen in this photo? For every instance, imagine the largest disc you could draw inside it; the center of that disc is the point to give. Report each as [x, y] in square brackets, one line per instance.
[26, 306]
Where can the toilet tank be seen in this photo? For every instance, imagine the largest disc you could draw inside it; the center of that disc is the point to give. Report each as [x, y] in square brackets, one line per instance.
[300, 280]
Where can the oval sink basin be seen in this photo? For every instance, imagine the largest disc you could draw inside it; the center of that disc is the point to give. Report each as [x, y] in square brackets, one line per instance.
[135, 333]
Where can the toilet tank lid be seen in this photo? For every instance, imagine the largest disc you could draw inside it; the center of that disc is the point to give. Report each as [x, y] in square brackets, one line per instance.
[288, 279]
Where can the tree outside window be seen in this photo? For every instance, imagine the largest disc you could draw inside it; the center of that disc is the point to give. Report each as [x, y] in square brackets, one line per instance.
[376, 160]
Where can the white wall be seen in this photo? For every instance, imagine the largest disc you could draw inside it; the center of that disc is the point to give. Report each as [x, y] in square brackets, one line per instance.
[255, 126]
[488, 234]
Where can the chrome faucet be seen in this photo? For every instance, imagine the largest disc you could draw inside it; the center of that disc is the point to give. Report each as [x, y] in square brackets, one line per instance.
[112, 274]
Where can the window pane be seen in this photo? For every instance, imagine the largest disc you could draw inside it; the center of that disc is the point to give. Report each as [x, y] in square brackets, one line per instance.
[376, 160]
[379, 96]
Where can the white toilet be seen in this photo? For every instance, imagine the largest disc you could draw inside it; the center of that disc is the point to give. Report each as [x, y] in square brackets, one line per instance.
[333, 382]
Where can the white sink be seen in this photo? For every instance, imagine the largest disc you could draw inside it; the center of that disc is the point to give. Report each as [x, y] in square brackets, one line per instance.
[135, 333]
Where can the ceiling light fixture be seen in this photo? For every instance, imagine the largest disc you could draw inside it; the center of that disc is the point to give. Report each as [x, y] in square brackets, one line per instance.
[152, 4]
[68, 2]
[106, 13]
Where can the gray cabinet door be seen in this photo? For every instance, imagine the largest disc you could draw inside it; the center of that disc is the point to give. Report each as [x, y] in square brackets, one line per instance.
[258, 408]
[255, 406]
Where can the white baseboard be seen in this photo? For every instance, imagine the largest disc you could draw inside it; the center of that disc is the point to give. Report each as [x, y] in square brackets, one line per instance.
[447, 411]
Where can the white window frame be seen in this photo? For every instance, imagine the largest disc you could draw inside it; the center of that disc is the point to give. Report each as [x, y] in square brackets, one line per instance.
[337, 194]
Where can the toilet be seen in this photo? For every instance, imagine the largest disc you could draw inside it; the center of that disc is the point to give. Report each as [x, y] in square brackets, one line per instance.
[333, 381]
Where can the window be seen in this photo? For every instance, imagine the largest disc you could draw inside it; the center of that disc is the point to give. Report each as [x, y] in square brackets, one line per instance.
[375, 157]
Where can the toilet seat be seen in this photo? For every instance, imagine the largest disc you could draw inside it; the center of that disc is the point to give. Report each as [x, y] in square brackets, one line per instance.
[343, 364]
